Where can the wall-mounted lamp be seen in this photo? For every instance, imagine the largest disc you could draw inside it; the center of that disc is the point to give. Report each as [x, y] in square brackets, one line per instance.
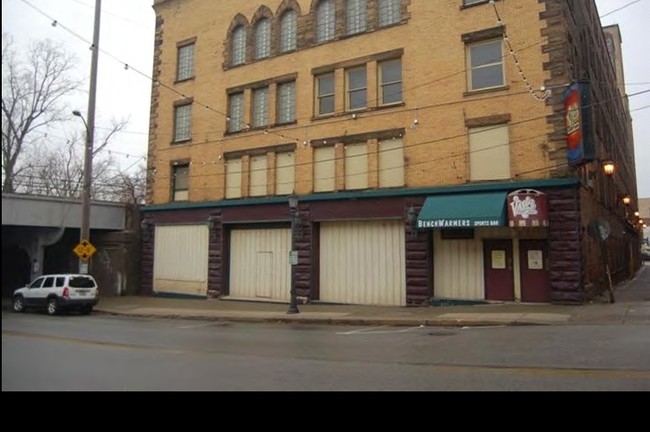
[627, 200]
[293, 257]
[637, 214]
[412, 218]
[210, 221]
[145, 229]
[608, 167]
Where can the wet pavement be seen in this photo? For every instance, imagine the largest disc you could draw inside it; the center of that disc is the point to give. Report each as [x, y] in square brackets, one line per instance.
[632, 306]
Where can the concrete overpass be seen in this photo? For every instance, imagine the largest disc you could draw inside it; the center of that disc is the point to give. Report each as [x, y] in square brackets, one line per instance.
[31, 223]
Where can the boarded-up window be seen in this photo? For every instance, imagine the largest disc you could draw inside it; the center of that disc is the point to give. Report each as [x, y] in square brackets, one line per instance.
[324, 169]
[285, 167]
[233, 178]
[356, 166]
[258, 176]
[391, 163]
[489, 153]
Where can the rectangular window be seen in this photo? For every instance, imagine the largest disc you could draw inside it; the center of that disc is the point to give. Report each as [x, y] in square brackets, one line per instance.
[185, 68]
[286, 102]
[236, 112]
[261, 107]
[356, 16]
[356, 166]
[325, 94]
[357, 91]
[257, 184]
[485, 65]
[391, 163]
[182, 122]
[285, 168]
[233, 178]
[389, 12]
[180, 182]
[324, 169]
[390, 82]
[489, 153]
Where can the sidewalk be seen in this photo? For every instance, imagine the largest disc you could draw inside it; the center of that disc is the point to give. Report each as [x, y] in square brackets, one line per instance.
[632, 306]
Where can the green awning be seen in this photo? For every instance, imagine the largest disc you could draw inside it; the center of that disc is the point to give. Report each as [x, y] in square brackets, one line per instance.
[470, 210]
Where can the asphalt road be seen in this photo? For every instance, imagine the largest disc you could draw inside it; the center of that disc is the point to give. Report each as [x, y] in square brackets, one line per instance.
[98, 352]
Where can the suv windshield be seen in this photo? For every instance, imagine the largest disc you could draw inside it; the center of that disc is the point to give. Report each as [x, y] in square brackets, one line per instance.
[81, 282]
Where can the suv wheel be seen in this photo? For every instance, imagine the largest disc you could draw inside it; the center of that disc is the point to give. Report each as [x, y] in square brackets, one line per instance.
[86, 309]
[52, 306]
[19, 304]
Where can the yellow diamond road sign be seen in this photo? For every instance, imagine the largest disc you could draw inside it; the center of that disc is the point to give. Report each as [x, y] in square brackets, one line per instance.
[84, 250]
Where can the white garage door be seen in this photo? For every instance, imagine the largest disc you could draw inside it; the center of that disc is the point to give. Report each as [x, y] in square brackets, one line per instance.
[259, 263]
[180, 263]
[362, 262]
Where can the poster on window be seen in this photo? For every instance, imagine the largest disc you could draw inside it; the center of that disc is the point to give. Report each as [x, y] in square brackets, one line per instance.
[535, 260]
[499, 259]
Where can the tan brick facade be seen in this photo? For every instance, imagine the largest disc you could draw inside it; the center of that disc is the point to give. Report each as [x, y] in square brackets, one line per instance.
[527, 53]
[433, 78]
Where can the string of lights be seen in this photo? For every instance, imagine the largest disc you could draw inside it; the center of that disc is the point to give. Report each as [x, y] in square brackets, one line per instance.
[434, 141]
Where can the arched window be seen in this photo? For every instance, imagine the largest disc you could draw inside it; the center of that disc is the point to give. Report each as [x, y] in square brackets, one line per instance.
[288, 31]
[389, 12]
[239, 46]
[263, 38]
[325, 21]
[355, 12]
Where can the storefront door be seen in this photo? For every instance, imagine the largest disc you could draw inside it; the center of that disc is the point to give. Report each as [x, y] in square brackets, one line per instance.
[534, 272]
[499, 280]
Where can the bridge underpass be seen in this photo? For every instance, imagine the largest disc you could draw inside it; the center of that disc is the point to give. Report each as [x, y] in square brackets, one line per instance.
[40, 233]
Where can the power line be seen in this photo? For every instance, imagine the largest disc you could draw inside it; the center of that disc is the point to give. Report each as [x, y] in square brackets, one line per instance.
[415, 144]
[622, 7]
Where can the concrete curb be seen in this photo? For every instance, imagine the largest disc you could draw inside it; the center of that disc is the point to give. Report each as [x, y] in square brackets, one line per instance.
[339, 319]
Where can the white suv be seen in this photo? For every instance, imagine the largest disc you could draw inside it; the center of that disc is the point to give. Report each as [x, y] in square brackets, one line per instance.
[56, 292]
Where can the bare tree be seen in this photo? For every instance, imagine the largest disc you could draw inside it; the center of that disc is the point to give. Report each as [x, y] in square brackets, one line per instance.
[33, 93]
[130, 187]
[57, 170]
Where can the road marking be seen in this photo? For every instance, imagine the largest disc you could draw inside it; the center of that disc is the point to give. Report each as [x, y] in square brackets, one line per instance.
[195, 326]
[370, 330]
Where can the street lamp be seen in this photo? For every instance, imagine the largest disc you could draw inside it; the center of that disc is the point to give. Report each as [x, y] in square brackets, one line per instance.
[90, 135]
[85, 197]
[293, 255]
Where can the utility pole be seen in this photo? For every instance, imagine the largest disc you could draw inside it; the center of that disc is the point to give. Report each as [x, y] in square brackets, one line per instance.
[90, 137]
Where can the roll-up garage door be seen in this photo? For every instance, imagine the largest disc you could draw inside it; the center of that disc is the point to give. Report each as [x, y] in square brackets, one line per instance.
[259, 263]
[362, 262]
[181, 260]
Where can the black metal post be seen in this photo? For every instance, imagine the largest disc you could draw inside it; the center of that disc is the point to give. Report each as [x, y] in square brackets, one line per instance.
[293, 305]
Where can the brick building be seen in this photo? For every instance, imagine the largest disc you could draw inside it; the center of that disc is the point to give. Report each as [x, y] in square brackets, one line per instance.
[446, 150]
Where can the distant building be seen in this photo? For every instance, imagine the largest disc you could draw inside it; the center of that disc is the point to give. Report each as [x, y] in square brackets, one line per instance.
[439, 150]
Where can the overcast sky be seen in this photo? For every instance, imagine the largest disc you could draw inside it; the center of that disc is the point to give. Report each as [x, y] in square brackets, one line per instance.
[126, 38]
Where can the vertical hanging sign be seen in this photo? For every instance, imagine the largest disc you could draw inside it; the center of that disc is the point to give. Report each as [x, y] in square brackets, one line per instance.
[577, 115]
[573, 122]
